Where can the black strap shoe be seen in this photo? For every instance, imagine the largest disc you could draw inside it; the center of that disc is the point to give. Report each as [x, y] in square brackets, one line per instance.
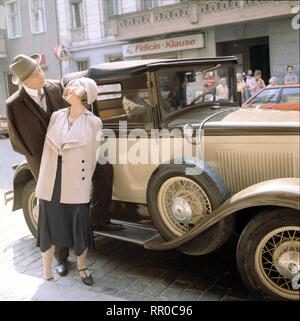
[108, 227]
[62, 268]
[88, 279]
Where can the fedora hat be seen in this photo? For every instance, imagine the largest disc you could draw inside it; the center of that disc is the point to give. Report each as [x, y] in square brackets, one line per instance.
[23, 67]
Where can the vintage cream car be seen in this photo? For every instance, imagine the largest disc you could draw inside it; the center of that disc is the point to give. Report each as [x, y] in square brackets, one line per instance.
[212, 169]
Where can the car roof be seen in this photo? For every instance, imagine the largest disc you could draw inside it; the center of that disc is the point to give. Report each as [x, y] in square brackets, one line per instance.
[281, 86]
[136, 67]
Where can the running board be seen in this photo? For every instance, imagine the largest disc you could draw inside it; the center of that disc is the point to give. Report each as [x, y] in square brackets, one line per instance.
[133, 233]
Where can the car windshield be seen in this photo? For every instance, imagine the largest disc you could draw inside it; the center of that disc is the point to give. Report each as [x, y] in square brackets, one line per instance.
[201, 85]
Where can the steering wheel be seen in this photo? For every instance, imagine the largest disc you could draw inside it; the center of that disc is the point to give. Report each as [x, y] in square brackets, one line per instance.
[201, 97]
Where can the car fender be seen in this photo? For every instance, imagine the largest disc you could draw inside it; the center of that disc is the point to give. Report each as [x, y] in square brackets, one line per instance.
[22, 176]
[282, 192]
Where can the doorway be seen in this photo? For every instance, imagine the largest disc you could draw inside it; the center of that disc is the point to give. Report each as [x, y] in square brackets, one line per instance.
[251, 53]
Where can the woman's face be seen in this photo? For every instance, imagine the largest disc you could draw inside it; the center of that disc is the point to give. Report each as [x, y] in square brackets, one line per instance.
[72, 93]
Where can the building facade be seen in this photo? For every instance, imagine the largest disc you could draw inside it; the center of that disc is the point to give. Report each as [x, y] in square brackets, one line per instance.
[27, 26]
[262, 34]
[259, 32]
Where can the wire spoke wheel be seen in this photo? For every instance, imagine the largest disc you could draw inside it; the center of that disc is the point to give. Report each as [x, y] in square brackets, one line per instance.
[277, 261]
[30, 207]
[182, 204]
[33, 209]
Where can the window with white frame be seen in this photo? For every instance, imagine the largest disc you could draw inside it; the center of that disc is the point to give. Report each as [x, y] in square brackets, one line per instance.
[37, 16]
[13, 19]
[128, 6]
[77, 13]
[148, 4]
[82, 65]
[112, 8]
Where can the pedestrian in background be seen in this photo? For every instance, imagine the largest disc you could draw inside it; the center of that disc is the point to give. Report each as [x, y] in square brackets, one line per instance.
[259, 83]
[250, 82]
[222, 91]
[65, 177]
[290, 78]
[241, 88]
[272, 82]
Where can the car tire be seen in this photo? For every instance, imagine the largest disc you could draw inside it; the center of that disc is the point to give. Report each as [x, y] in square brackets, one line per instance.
[268, 247]
[29, 204]
[209, 185]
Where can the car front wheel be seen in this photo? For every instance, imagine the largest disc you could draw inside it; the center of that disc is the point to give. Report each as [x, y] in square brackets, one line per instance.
[178, 202]
[30, 207]
[268, 254]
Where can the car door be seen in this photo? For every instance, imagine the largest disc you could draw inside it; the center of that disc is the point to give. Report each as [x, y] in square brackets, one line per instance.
[125, 108]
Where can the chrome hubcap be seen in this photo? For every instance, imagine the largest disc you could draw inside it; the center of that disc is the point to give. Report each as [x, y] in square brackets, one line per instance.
[182, 210]
[287, 261]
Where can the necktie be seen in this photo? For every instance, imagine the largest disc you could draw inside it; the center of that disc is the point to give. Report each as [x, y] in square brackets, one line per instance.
[42, 99]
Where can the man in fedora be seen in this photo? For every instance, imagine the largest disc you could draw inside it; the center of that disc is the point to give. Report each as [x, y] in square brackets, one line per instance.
[28, 113]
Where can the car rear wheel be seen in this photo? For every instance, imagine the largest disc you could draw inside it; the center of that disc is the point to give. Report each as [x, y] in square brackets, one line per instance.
[268, 254]
[178, 202]
[30, 207]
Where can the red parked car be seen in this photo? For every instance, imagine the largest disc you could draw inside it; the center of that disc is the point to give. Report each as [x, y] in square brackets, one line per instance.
[280, 97]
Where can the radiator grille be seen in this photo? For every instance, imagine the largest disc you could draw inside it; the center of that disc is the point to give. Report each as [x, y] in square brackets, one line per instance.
[243, 169]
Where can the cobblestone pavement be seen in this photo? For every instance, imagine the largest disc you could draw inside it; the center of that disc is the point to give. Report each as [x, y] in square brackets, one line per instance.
[121, 271]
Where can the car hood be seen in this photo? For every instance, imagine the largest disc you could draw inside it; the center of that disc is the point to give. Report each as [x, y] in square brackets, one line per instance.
[241, 121]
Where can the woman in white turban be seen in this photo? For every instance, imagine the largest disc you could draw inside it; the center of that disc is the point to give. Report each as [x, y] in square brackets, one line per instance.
[65, 178]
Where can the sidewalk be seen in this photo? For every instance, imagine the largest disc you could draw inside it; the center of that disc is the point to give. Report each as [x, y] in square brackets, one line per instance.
[20, 287]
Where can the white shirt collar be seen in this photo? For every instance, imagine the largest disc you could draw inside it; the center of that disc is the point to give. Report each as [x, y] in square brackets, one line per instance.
[32, 92]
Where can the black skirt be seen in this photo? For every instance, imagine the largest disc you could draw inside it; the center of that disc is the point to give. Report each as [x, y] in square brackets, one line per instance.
[65, 225]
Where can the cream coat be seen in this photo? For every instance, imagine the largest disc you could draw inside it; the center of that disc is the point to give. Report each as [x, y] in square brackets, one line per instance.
[78, 151]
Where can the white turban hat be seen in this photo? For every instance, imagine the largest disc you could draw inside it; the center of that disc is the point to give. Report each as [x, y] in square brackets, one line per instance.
[89, 86]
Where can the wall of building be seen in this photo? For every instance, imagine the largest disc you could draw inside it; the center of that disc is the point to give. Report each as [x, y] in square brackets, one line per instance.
[29, 44]
[43, 43]
[283, 41]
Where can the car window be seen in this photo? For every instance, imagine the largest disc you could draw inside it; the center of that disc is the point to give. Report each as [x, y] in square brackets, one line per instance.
[267, 96]
[290, 95]
[109, 91]
[126, 100]
[195, 85]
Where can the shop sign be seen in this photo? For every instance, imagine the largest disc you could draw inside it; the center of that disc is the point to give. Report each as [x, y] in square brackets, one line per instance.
[164, 45]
